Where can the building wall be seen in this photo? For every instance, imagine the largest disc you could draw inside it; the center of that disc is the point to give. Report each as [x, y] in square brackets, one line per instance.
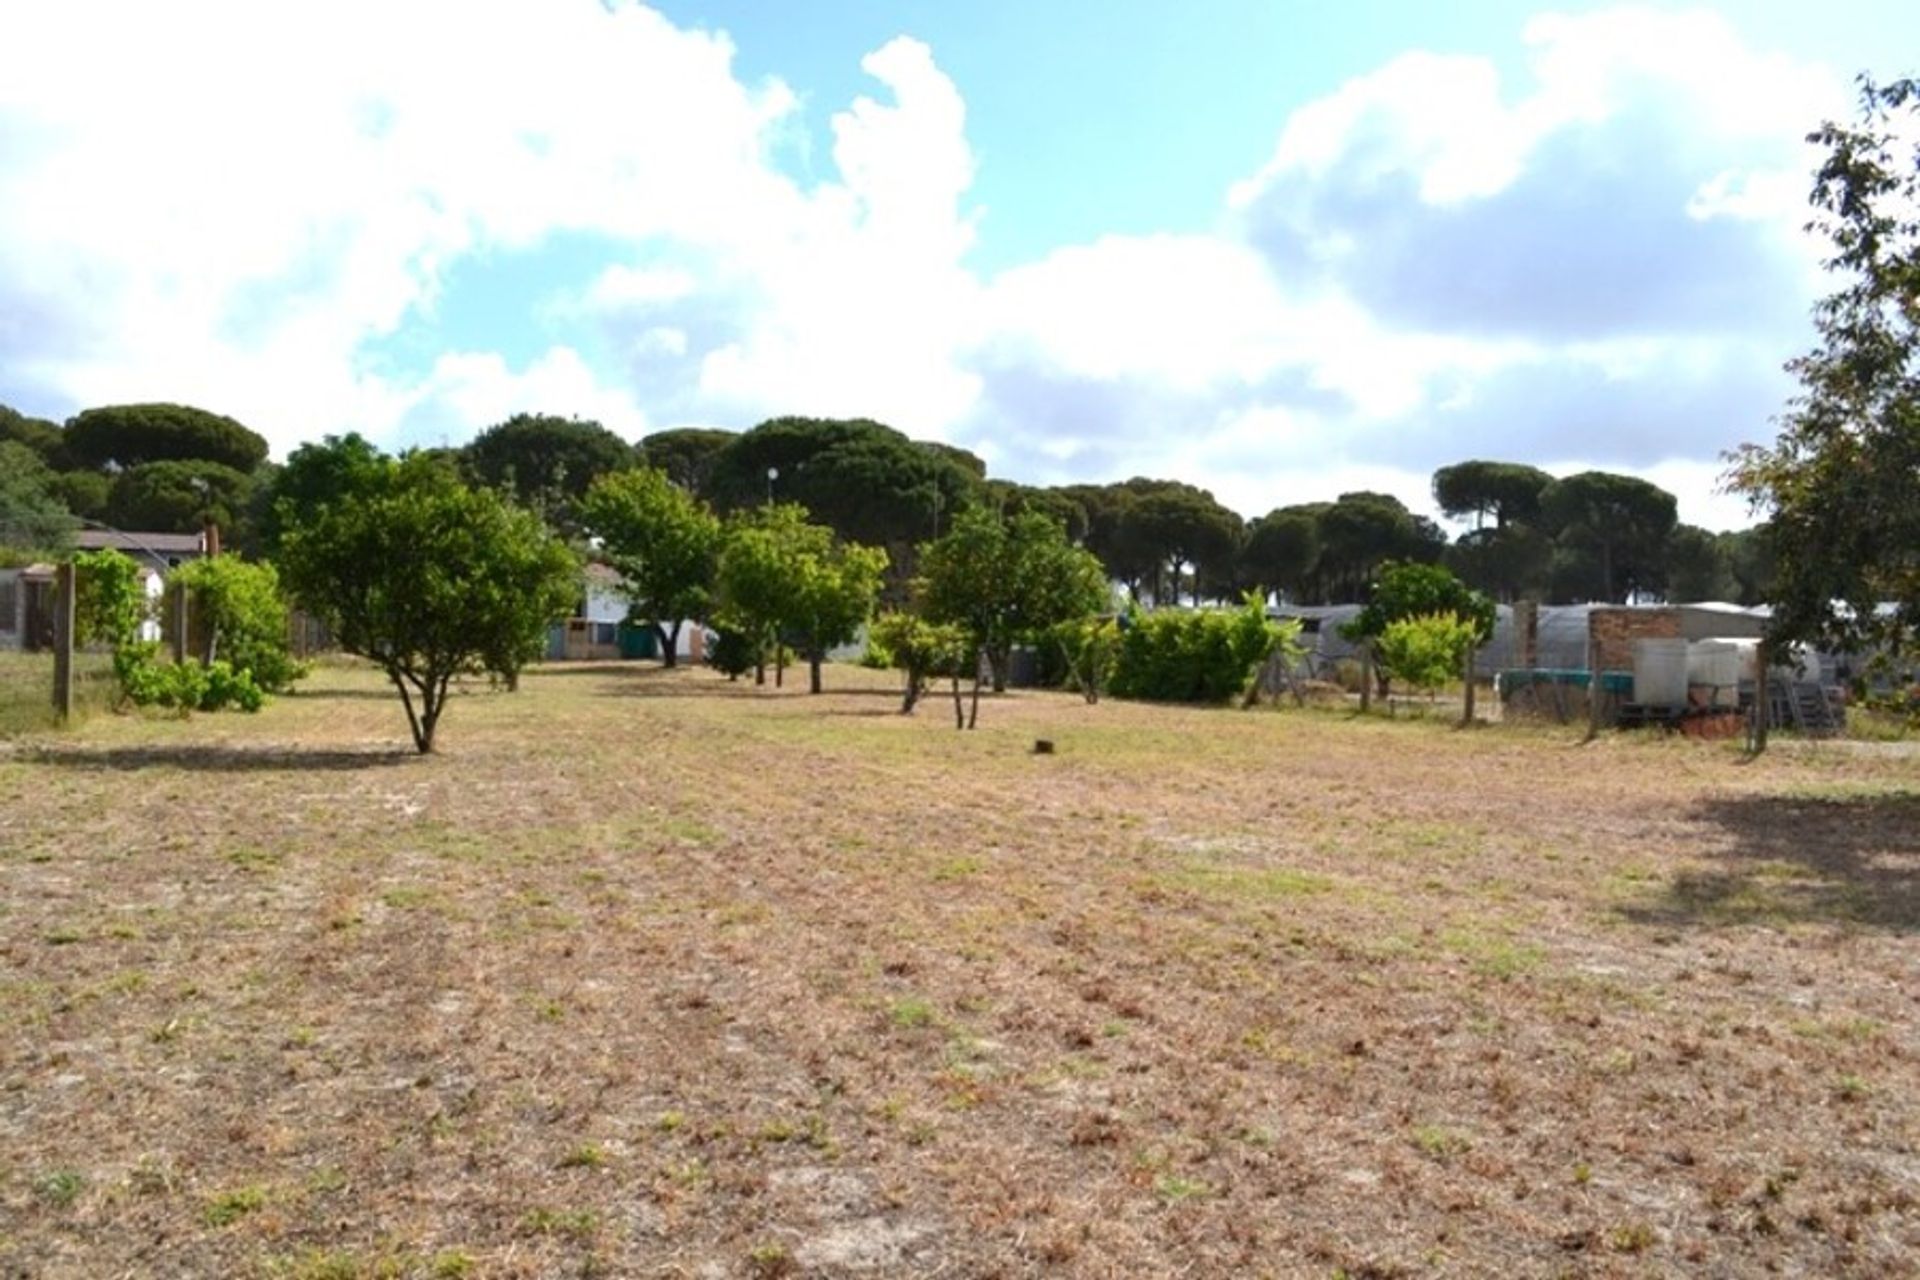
[1613, 631]
[13, 609]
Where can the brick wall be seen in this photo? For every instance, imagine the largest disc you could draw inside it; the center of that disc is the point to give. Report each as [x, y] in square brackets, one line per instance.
[1611, 633]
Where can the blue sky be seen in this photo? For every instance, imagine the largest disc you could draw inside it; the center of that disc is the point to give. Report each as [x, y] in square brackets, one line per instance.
[1278, 250]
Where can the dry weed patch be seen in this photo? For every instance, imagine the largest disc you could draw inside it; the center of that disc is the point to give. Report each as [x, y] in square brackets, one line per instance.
[650, 973]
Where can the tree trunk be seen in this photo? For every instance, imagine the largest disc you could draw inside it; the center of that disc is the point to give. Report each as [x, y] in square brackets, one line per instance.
[433, 700]
[419, 722]
[973, 717]
[1366, 676]
[669, 643]
[959, 704]
[999, 658]
[1762, 696]
[916, 687]
[813, 671]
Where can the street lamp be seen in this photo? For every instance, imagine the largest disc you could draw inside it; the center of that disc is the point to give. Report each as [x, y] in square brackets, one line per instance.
[773, 473]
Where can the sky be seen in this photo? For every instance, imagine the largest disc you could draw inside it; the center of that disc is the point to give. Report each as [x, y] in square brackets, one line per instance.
[1278, 250]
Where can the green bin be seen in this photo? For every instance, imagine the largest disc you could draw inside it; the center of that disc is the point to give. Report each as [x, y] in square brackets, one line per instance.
[638, 642]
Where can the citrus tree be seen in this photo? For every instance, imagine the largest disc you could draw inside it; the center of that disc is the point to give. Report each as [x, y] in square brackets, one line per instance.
[429, 580]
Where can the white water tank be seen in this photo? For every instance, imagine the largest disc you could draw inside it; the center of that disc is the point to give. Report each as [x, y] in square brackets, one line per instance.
[1660, 672]
[1717, 666]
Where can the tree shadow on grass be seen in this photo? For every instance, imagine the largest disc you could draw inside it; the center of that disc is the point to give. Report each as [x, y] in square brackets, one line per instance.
[383, 694]
[211, 759]
[1786, 860]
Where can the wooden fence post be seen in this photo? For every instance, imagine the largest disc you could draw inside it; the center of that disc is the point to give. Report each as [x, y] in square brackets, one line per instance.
[1762, 696]
[1466, 716]
[63, 618]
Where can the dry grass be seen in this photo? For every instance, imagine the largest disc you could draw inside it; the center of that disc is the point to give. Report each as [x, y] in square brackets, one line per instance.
[26, 689]
[649, 974]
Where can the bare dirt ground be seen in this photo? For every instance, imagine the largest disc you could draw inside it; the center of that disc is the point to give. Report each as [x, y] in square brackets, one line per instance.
[650, 974]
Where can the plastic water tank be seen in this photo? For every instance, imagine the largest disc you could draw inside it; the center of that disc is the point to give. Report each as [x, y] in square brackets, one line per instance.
[1660, 672]
[1715, 666]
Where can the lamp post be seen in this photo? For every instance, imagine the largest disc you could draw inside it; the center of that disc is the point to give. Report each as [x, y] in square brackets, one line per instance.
[773, 473]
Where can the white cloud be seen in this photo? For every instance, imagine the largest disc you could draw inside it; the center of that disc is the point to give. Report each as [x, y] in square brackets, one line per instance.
[242, 201]
[225, 202]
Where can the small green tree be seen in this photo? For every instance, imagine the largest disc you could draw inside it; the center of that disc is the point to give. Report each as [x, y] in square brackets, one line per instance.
[1008, 581]
[1427, 650]
[833, 598]
[665, 544]
[245, 614]
[429, 580]
[922, 650]
[1091, 647]
[782, 579]
[1408, 590]
[754, 582]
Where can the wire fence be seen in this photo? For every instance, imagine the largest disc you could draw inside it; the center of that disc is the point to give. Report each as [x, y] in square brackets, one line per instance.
[26, 689]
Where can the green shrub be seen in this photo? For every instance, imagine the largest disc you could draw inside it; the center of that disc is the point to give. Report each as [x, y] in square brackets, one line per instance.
[242, 602]
[732, 653]
[1197, 656]
[110, 604]
[1428, 650]
[1090, 648]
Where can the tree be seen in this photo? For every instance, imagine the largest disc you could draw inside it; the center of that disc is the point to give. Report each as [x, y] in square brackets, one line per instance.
[1112, 535]
[1696, 566]
[178, 496]
[127, 435]
[32, 517]
[1611, 531]
[1750, 562]
[1839, 482]
[1362, 531]
[314, 476]
[687, 454]
[429, 580]
[37, 434]
[867, 482]
[784, 579]
[245, 615]
[1509, 562]
[547, 463]
[1427, 650]
[1281, 550]
[922, 650]
[1509, 492]
[1408, 590]
[85, 493]
[664, 542]
[1186, 528]
[1007, 580]
[834, 595]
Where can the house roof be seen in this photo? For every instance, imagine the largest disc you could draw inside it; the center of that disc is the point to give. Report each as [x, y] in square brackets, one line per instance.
[603, 574]
[166, 544]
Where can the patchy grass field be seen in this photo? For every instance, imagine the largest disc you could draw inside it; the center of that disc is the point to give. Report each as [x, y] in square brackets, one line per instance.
[650, 974]
[26, 689]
